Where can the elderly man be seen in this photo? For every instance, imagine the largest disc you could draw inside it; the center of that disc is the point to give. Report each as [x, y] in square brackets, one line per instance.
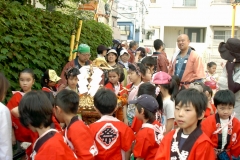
[188, 65]
[82, 59]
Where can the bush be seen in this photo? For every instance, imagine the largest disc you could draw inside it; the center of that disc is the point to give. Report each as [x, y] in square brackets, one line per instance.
[37, 39]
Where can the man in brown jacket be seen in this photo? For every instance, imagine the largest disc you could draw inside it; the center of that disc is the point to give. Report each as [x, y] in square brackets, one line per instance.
[82, 59]
[160, 55]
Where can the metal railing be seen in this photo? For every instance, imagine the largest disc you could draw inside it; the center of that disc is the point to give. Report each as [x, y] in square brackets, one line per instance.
[221, 1]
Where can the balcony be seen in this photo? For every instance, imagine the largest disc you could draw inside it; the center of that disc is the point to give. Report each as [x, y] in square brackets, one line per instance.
[221, 1]
[184, 3]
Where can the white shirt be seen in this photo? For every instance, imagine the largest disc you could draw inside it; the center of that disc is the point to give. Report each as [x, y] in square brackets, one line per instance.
[5, 133]
[224, 131]
[168, 110]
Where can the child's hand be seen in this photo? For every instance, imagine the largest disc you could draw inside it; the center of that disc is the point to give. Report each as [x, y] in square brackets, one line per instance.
[61, 87]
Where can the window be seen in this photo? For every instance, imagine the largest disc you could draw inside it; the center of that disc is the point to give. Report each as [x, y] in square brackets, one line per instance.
[221, 1]
[196, 35]
[184, 3]
[224, 35]
[124, 30]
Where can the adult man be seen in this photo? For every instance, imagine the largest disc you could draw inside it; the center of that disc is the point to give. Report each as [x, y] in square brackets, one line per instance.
[160, 55]
[82, 59]
[188, 65]
[132, 49]
[102, 51]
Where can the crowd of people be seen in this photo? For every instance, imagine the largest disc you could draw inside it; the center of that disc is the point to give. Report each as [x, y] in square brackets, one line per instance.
[175, 109]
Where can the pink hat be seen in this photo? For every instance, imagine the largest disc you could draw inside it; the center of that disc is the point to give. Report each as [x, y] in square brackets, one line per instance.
[161, 78]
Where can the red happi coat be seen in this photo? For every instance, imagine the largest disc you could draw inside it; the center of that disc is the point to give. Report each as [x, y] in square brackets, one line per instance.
[202, 148]
[80, 139]
[110, 86]
[147, 141]
[113, 138]
[53, 148]
[209, 126]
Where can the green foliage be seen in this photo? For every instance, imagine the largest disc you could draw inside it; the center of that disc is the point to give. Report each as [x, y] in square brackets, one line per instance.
[37, 39]
[95, 34]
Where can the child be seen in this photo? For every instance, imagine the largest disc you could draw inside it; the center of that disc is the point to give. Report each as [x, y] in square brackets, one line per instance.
[21, 134]
[5, 125]
[72, 79]
[148, 138]
[77, 134]
[36, 114]
[223, 128]
[113, 138]
[211, 75]
[135, 76]
[150, 89]
[49, 82]
[168, 89]
[211, 109]
[188, 141]
[113, 81]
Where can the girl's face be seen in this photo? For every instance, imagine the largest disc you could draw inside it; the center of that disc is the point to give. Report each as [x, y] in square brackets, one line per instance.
[133, 76]
[72, 82]
[147, 77]
[212, 69]
[26, 82]
[111, 57]
[113, 77]
[125, 57]
[51, 83]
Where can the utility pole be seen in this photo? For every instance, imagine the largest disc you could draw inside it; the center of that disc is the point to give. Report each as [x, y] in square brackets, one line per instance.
[234, 4]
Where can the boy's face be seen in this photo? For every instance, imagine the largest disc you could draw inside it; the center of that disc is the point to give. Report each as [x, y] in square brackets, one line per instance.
[186, 117]
[139, 115]
[58, 114]
[224, 110]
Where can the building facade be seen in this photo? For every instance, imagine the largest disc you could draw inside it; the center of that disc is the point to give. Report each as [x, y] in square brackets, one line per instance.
[206, 22]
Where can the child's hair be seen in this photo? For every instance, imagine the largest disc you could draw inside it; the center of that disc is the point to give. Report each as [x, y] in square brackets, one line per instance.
[72, 72]
[149, 61]
[139, 68]
[35, 109]
[116, 70]
[150, 89]
[50, 97]
[142, 50]
[147, 114]
[172, 88]
[27, 70]
[192, 96]
[105, 101]
[210, 64]
[4, 85]
[68, 101]
[197, 85]
[208, 89]
[225, 97]
[46, 77]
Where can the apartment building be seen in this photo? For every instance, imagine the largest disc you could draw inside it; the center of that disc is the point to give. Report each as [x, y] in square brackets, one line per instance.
[206, 22]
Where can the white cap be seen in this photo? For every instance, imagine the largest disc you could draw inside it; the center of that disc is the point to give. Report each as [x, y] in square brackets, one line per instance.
[112, 51]
[124, 51]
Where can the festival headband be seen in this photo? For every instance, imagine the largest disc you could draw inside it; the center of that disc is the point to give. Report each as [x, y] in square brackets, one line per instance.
[137, 68]
[68, 70]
